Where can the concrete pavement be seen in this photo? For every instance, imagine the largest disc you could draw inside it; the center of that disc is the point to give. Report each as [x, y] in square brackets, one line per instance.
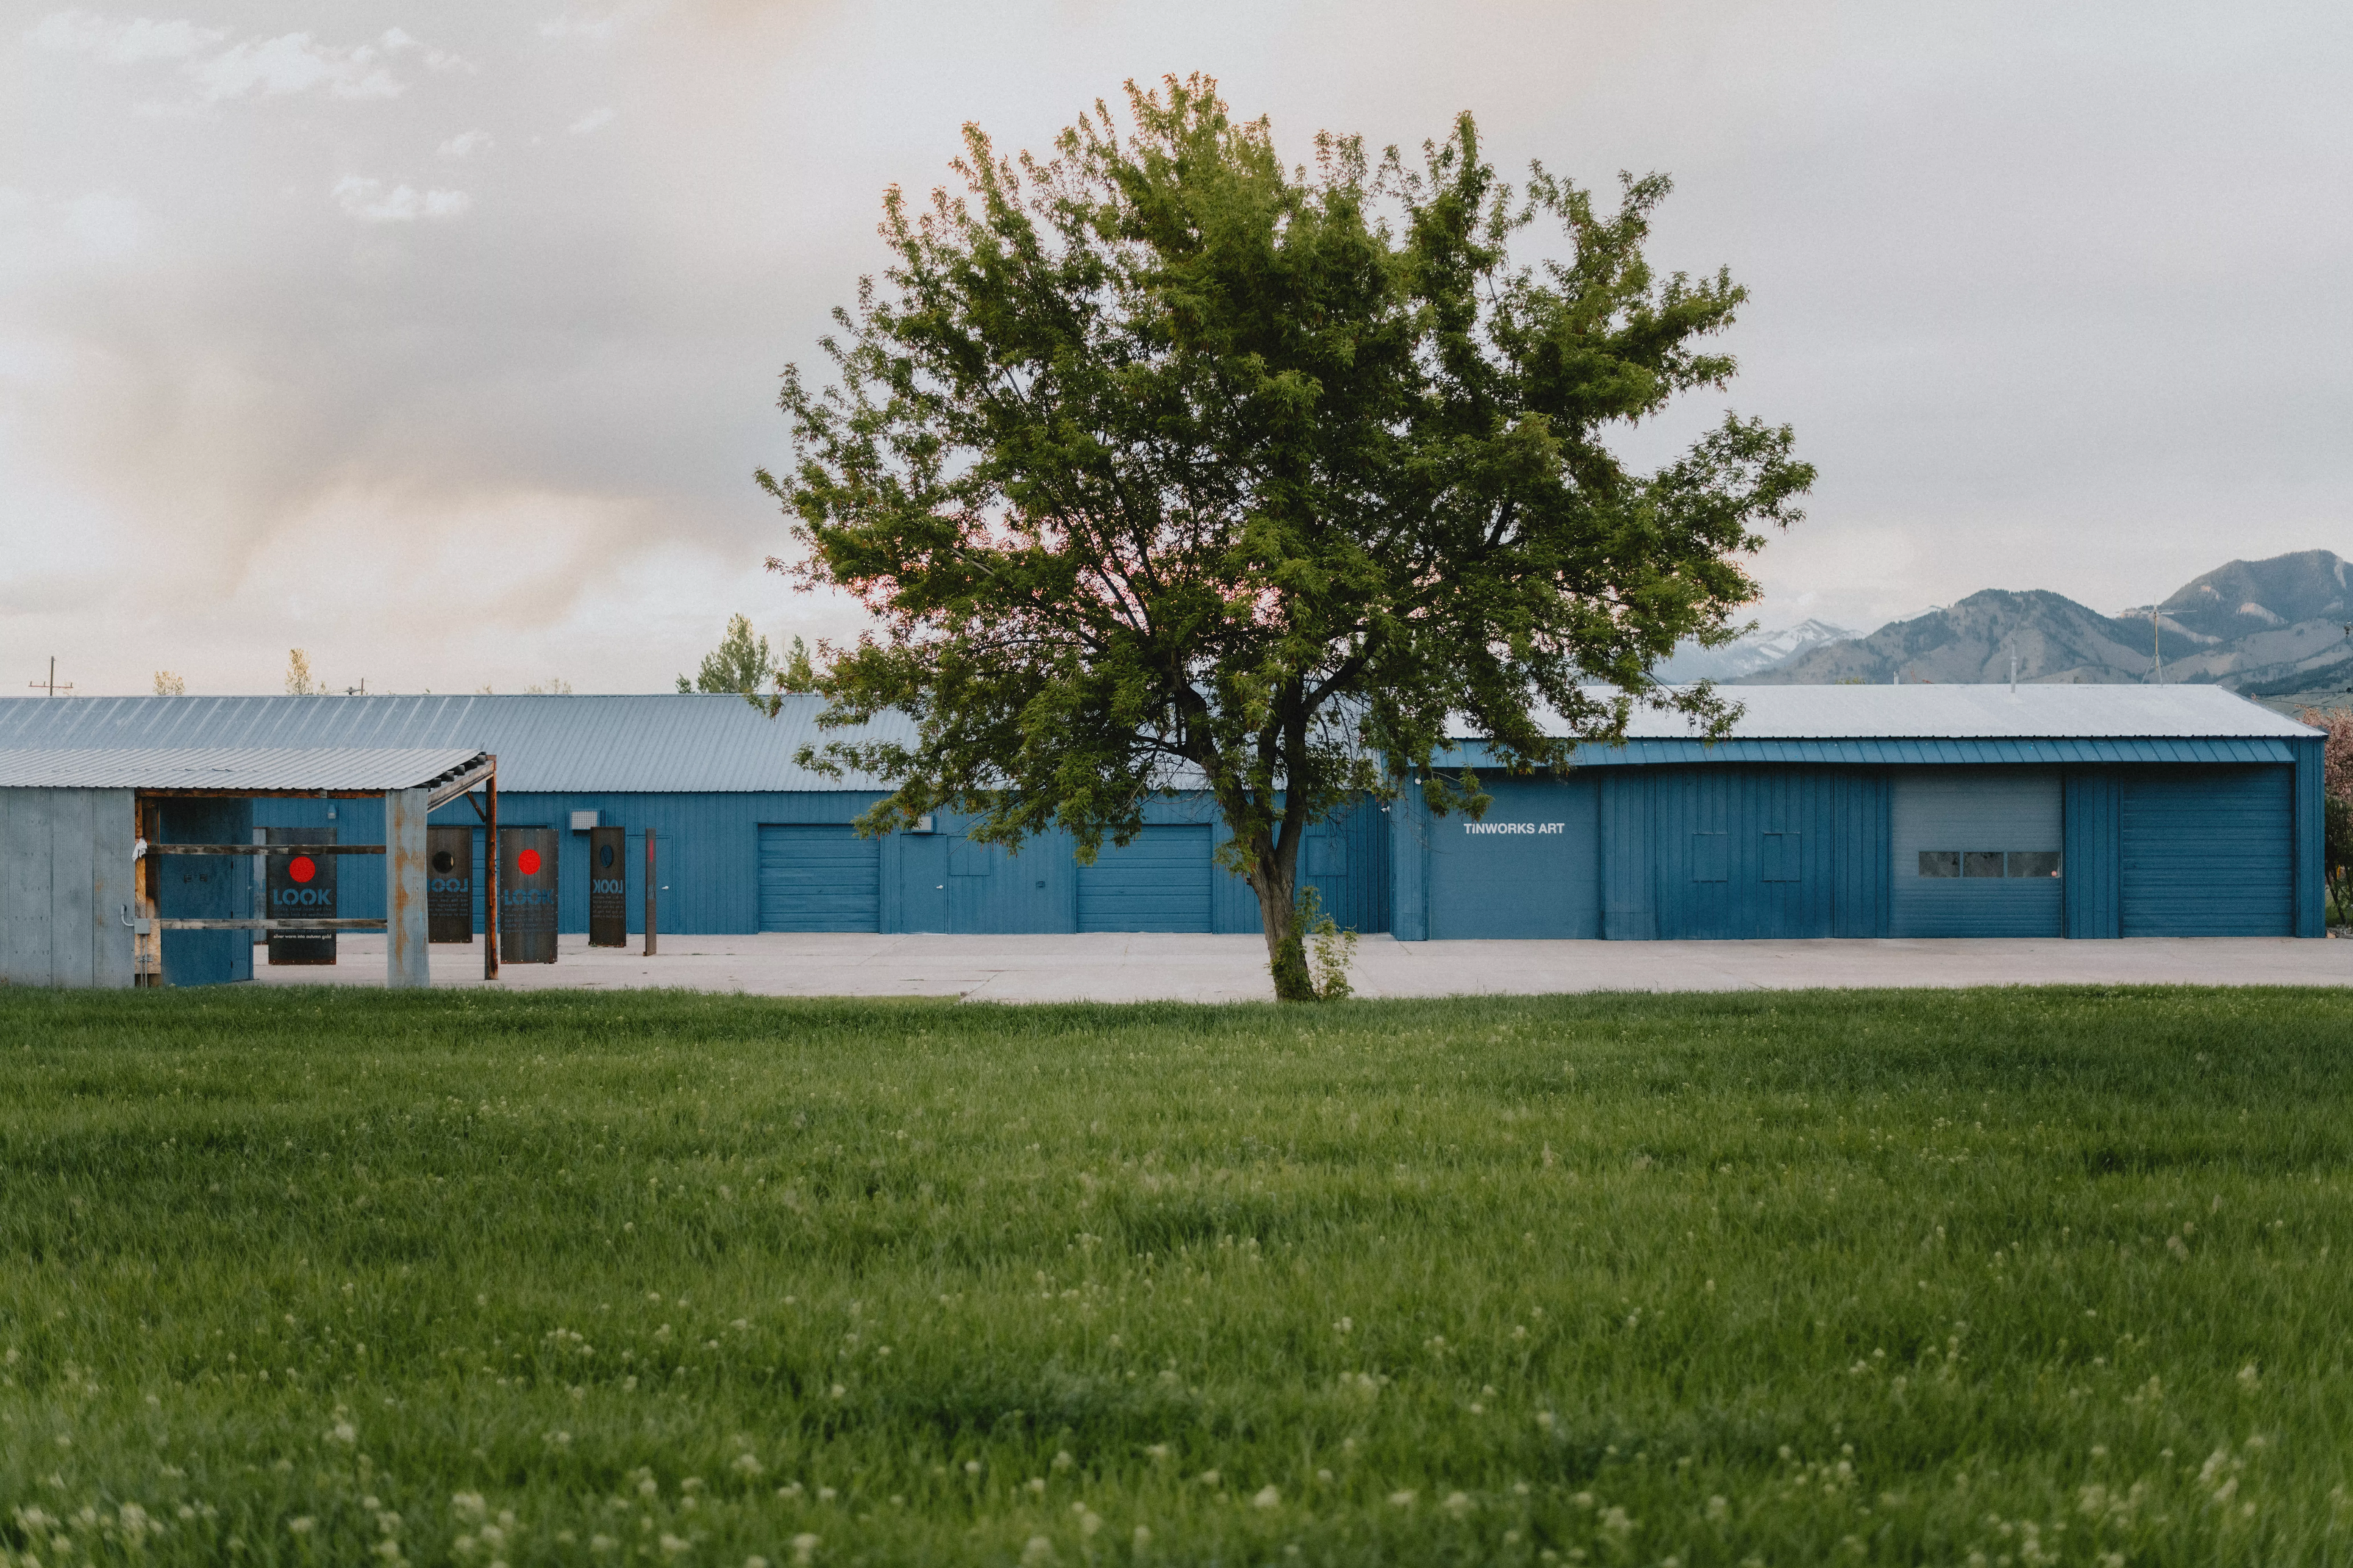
[1160, 967]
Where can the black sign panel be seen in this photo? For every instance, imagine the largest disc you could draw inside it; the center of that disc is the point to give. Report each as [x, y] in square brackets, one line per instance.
[449, 884]
[608, 888]
[527, 895]
[300, 887]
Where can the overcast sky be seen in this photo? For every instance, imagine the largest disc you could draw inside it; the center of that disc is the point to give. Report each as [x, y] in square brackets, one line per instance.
[440, 340]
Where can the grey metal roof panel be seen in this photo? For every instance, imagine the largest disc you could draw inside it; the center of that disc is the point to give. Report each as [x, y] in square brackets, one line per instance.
[1981, 713]
[230, 767]
[1913, 753]
[622, 744]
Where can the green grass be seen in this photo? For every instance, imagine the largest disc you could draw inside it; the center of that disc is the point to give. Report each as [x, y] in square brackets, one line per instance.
[2009, 1276]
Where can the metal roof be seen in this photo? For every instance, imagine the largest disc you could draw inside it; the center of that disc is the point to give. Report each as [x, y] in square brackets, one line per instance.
[2271, 749]
[1980, 713]
[231, 768]
[693, 743]
[574, 744]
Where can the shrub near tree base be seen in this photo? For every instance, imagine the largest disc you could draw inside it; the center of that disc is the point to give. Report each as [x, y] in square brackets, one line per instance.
[327, 1276]
[1165, 467]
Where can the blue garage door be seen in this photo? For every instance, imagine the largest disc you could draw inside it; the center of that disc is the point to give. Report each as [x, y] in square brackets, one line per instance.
[1530, 868]
[819, 879]
[1158, 882]
[2206, 852]
[1977, 852]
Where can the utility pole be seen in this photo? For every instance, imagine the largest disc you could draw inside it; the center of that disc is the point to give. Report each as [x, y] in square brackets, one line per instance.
[50, 685]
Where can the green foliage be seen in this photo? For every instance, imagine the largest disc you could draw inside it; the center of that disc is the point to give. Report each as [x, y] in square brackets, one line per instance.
[1327, 950]
[2337, 803]
[1165, 465]
[743, 663]
[1718, 1278]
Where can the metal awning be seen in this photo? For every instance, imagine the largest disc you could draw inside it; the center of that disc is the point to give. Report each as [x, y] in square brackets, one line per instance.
[250, 771]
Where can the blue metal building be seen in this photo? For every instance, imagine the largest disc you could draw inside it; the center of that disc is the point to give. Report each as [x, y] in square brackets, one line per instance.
[747, 839]
[1907, 811]
[1829, 811]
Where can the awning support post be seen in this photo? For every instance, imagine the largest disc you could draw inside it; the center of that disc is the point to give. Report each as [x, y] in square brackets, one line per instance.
[405, 961]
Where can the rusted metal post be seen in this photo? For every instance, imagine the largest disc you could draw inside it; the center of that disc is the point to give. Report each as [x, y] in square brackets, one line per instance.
[407, 964]
[490, 879]
[649, 892]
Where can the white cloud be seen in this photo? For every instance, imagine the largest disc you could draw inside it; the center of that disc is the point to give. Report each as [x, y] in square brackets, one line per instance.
[254, 67]
[395, 41]
[370, 202]
[122, 43]
[272, 68]
[595, 120]
[466, 143]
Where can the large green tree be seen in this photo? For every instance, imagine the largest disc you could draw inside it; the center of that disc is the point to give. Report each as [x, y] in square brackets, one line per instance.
[1165, 465]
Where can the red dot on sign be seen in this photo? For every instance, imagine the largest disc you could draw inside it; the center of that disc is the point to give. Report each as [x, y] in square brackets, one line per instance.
[301, 868]
[528, 862]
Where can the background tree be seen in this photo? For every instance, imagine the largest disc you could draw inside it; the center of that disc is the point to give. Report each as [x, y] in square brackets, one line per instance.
[299, 681]
[1165, 467]
[743, 663]
[170, 685]
[2337, 803]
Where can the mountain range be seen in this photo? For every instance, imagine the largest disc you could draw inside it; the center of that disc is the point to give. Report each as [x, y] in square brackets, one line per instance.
[2279, 630]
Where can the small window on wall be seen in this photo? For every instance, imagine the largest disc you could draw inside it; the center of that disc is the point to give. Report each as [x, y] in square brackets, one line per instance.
[2003, 863]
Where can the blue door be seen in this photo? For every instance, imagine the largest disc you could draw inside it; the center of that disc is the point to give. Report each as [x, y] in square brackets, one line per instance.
[1159, 882]
[820, 878]
[1530, 868]
[2206, 852]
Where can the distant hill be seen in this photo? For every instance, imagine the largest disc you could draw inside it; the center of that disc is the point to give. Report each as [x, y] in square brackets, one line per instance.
[2273, 629]
[1748, 654]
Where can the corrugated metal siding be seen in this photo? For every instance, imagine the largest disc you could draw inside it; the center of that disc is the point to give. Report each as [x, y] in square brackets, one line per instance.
[1717, 832]
[1882, 752]
[1859, 857]
[669, 743]
[65, 884]
[1486, 880]
[2311, 887]
[1984, 809]
[229, 768]
[1629, 907]
[2090, 883]
[205, 887]
[2207, 853]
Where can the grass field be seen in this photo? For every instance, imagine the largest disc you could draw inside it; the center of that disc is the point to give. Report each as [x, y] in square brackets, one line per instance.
[2000, 1278]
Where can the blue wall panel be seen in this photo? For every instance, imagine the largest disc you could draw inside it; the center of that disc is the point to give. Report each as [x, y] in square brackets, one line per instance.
[2206, 851]
[1859, 857]
[2090, 883]
[1629, 910]
[2311, 887]
[1531, 866]
[206, 886]
[1717, 831]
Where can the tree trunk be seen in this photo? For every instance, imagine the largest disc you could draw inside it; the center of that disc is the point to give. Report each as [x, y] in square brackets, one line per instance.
[1286, 944]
